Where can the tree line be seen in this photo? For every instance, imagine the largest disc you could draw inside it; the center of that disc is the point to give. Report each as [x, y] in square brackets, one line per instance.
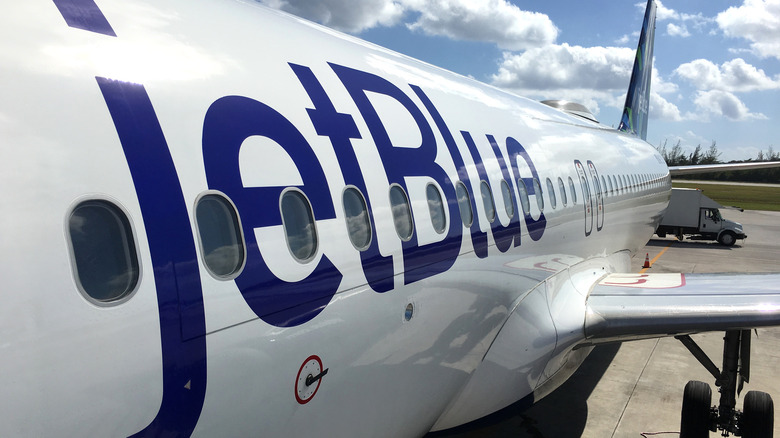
[675, 156]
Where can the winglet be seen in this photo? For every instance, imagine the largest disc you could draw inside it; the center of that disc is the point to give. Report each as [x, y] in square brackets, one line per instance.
[635, 112]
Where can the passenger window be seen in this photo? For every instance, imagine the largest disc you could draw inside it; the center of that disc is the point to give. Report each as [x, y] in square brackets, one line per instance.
[538, 193]
[551, 194]
[299, 227]
[487, 201]
[221, 239]
[604, 185]
[436, 207]
[464, 204]
[103, 251]
[509, 206]
[402, 214]
[523, 196]
[573, 191]
[358, 222]
[563, 191]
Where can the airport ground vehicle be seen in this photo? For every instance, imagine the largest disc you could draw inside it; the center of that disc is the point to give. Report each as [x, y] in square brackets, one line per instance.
[692, 213]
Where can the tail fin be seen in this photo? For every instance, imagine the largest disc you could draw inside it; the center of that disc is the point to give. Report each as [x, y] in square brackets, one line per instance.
[634, 118]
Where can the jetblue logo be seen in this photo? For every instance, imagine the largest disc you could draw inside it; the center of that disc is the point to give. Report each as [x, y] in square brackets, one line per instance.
[230, 120]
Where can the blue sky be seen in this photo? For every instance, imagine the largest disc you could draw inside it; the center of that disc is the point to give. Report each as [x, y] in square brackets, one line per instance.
[717, 62]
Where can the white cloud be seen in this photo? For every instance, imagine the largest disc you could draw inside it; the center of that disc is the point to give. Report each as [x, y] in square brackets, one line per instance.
[757, 21]
[675, 30]
[496, 21]
[662, 109]
[722, 103]
[663, 13]
[732, 76]
[345, 15]
[593, 76]
[566, 67]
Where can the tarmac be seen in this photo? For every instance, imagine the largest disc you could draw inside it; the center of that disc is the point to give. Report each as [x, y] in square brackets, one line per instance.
[635, 389]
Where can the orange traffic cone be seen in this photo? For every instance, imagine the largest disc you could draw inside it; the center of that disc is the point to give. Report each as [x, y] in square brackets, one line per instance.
[647, 261]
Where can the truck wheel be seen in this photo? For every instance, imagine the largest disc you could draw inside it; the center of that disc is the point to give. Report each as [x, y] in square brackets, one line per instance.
[727, 238]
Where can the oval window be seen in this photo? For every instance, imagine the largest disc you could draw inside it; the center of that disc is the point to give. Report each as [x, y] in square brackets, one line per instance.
[221, 241]
[299, 227]
[103, 249]
[464, 204]
[573, 191]
[551, 193]
[402, 215]
[562, 189]
[538, 194]
[523, 196]
[358, 222]
[487, 201]
[509, 205]
[436, 208]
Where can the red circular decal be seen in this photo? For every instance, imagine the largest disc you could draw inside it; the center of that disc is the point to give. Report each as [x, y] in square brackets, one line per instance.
[308, 380]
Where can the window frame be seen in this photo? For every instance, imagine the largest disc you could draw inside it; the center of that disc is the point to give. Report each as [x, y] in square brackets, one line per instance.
[468, 203]
[482, 185]
[443, 203]
[133, 240]
[408, 210]
[538, 194]
[240, 269]
[368, 217]
[313, 221]
[551, 193]
[525, 201]
[507, 195]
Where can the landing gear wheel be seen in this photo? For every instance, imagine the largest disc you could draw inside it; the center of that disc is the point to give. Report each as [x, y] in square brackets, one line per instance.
[695, 420]
[727, 238]
[758, 415]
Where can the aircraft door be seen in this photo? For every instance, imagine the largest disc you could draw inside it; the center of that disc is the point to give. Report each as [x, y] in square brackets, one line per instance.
[587, 199]
[599, 196]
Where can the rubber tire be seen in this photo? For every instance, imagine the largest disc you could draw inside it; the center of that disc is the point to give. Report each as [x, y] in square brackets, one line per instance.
[727, 238]
[758, 415]
[695, 419]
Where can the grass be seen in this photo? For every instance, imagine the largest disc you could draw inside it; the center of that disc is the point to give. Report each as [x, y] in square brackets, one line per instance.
[747, 197]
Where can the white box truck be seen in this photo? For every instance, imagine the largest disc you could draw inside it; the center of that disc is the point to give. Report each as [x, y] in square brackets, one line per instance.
[691, 213]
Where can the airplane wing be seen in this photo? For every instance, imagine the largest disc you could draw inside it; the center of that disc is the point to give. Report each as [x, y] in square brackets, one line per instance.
[624, 307]
[708, 168]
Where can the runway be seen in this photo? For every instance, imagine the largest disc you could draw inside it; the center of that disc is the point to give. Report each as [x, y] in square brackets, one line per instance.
[635, 388]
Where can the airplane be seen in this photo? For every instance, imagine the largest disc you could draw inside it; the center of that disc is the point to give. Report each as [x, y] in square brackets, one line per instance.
[224, 220]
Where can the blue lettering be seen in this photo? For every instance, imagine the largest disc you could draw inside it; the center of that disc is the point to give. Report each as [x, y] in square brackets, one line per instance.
[341, 128]
[478, 238]
[514, 149]
[176, 275]
[228, 122]
[502, 235]
[419, 261]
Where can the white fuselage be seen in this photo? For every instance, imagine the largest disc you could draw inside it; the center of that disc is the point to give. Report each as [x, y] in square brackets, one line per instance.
[492, 321]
